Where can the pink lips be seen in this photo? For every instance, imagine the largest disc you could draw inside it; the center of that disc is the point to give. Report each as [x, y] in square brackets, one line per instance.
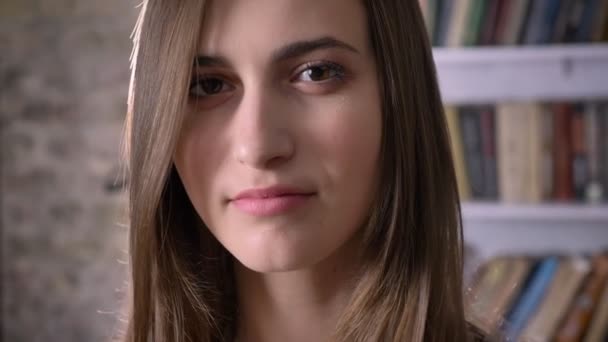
[270, 201]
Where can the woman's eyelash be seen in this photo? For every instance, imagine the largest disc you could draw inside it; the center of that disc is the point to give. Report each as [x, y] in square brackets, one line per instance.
[202, 85]
[322, 68]
[316, 72]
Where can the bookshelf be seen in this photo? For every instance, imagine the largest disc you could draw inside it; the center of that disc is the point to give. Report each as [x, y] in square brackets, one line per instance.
[480, 75]
[522, 73]
[499, 228]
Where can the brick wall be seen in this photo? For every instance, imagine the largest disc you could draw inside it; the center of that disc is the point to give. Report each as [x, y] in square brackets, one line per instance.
[64, 74]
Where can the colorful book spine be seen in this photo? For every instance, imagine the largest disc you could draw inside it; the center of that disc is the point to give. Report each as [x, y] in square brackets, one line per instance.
[578, 319]
[531, 297]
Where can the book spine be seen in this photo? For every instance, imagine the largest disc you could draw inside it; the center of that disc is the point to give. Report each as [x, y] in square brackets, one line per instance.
[562, 154]
[603, 150]
[580, 172]
[535, 24]
[473, 23]
[547, 153]
[584, 32]
[593, 190]
[549, 21]
[445, 9]
[579, 317]
[490, 22]
[600, 20]
[531, 297]
[471, 134]
[488, 142]
[573, 22]
[453, 120]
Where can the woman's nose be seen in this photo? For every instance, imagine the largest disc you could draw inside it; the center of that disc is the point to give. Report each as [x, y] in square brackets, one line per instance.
[262, 132]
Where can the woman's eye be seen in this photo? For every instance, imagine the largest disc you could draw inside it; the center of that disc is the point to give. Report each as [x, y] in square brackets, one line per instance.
[207, 86]
[321, 72]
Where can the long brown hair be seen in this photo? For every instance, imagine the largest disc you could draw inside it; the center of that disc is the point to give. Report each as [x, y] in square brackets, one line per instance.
[182, 281]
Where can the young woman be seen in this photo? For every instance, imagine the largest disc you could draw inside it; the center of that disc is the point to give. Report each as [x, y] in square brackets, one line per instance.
[290, 175]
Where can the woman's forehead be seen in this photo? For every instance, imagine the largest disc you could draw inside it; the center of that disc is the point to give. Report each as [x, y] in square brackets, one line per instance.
[237, 28]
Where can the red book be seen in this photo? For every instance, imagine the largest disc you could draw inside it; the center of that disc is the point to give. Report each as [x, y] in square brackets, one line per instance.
[562, 152]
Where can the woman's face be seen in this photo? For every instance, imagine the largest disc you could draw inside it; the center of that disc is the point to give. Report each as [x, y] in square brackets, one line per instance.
[279, 153]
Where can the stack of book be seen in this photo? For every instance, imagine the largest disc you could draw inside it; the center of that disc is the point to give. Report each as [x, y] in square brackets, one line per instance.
[531, 152]
[549, 298]
[515, 22]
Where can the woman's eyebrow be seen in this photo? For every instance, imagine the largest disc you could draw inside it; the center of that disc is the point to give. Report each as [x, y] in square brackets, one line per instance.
[300, 48]
[288, 51]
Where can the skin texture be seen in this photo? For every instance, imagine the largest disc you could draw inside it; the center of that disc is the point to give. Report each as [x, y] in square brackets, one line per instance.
[260, 116]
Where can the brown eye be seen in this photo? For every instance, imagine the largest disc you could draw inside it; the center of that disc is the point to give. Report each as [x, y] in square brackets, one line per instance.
[207, 86]
[321, 72]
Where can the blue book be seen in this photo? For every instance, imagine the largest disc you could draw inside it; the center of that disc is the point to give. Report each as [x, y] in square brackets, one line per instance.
[530, 298]
[533, 32]
[549, 21]
[584, 32]
[444, 18]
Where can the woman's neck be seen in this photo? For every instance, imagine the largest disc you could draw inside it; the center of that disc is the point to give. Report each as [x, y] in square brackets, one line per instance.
[300, 305]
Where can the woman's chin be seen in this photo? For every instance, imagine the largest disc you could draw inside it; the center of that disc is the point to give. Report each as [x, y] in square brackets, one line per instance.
[281, 253]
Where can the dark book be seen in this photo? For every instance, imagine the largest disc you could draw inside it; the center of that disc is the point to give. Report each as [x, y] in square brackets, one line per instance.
[580, 163]
[487, 31]
[603, 148]
[472, 144]
[549, 20]
[562, 152]
[541, 13]
[488, 145]
[442, 24]
[600, 21]
[584, 33]
[473, 22]
[563, 17]
[573, 21]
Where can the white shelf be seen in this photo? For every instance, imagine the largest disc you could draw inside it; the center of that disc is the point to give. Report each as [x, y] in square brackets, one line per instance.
[535, 229]
[523, 73]
[577, 213]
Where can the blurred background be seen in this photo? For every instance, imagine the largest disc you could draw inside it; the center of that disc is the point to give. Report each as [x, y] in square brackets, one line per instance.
[63, 89]
[525, 85]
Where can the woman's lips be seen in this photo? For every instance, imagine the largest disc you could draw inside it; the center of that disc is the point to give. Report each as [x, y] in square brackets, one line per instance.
[270, 201]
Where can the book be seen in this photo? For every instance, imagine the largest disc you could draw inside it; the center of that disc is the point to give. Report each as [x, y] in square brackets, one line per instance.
[445, 16]
[451, 114]
[532, 294]
[473, 22]
[598, 327]
[568, 279]
[562, 152]
[579, 315]
[580, 166]
[484, 291]
[603, 148]
[470, 127]
[547, 153]
[488, 151]
[593, 189]
[599, 21]
[561, 22]
[458, 22]
[584, 32]
[487, 32]
[534, 29]
[519, 146]
[516, 19]
[573, 21]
